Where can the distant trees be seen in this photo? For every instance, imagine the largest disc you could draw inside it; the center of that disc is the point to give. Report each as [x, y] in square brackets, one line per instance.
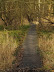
[12, 12]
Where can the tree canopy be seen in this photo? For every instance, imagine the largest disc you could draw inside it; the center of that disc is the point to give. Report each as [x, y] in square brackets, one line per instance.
[12, 12]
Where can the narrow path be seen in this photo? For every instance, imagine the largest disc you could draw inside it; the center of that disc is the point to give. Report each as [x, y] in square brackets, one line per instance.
[30, 57]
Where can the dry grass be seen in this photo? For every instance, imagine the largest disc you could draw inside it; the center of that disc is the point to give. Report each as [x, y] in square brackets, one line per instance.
[46, 44]
[36, 22]
[7, 47]
[25, 21]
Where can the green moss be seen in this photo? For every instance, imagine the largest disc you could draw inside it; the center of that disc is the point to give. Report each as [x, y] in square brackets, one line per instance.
[13, 61]
[17, 34]
[1, 27]
[45, 33]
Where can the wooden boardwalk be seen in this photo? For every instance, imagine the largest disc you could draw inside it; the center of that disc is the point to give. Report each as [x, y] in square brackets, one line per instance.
[30, 57]
[31, 61]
